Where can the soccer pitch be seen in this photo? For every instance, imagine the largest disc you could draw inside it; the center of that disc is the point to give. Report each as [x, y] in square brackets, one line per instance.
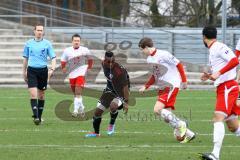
[139, 135]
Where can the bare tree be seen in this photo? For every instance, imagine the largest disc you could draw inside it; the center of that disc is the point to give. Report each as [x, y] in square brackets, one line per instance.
[193, 13]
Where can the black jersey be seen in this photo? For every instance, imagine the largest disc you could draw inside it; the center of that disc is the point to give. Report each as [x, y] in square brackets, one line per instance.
[117, 78]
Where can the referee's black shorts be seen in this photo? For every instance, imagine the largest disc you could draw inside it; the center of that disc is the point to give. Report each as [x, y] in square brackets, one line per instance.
[37, 77]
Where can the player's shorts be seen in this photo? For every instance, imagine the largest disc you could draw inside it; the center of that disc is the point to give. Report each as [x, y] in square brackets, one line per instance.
[106, 99]
[77, 82]
[37, 77]
[168, 97]
[227, 94]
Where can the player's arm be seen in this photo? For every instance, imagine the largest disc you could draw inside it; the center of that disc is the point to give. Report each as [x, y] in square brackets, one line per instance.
[150, 82]
[64, 59]
[90, 63]
[89, 59]
[229, 56]
[238, 76]
[25, 62]
[52, 55]
[231, 64]
[63, 66]
[182, 74]
[237, 53]
[53, 67]
[126, 97]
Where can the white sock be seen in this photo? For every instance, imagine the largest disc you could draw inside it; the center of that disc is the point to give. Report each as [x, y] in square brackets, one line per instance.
[237, 132]
[76, 104]
[189, 133]
[170, 117]
[81, 102]
[218, 135]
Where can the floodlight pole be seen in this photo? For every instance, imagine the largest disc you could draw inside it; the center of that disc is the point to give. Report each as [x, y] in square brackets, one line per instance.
[224, 20]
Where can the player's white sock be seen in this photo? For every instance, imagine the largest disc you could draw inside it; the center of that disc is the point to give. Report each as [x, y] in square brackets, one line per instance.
[189, 133]
[237, 132]
[76, 105]
[170, 117]
[218, 135]
[81, 103]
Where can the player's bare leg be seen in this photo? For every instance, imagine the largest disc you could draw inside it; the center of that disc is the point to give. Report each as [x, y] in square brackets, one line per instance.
[97, 118]
[34, 104]
[233, 125]
[113, 113]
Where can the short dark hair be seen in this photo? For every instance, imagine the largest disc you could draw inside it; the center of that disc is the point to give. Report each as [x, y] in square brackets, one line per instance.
[145, 42]
[76, 35]
[109, 54]
[209, 32]
[38, 24]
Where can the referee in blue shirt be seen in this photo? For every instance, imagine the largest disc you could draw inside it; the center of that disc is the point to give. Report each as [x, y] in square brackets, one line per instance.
[35, 71]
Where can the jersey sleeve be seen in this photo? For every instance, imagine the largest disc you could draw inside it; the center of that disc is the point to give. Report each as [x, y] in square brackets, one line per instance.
[26, 51]
[51, 52]
[64, 57]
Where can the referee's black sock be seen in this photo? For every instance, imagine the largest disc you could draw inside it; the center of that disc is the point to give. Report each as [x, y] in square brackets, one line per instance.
[113, 117]
[34, 107]
[40, 107]
[96, 123]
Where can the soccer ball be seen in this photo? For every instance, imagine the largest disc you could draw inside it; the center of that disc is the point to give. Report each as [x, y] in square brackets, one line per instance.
[177, 136]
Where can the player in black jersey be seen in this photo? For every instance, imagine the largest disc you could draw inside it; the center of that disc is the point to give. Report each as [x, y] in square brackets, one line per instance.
[115, 95]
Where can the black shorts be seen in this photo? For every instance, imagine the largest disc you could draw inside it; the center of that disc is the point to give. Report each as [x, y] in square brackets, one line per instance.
[107, 97]
[37, 77]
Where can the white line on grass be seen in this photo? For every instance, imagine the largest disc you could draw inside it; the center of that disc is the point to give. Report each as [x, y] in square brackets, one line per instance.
[119, 132]
[108, 146]
[128, 119]
[180, 98]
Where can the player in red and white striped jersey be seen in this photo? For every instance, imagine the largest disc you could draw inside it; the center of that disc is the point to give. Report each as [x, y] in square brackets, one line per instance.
[168, 73]
[223, 63]
[76, 60]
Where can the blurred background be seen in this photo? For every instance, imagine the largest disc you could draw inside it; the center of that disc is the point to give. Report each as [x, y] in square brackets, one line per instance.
[174, 25]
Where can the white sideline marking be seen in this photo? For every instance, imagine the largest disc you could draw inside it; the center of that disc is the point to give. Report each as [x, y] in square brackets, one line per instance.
[113, 146]
[26, 96]
[120, 132]
[141, 119]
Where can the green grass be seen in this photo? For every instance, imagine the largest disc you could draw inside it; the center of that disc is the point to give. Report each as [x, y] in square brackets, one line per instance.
[139, 136]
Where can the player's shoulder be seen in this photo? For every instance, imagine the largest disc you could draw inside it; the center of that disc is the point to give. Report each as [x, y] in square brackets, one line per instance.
[46, 42]
[219, 46]
[68, 49]
[121, 68]
[163, 55]
[29, 42]
[83, 48]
